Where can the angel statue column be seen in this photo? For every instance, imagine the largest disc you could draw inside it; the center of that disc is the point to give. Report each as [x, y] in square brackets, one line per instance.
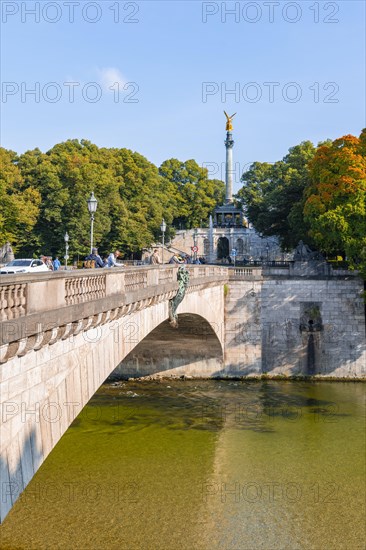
[229, 125]
[229, 144]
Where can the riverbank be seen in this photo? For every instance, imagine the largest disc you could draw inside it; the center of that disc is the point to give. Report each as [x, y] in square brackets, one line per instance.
[252, 378]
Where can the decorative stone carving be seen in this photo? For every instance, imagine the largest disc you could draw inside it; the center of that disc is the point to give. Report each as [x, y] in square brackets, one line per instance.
[311, 319]
[6, 253]
[303, 253]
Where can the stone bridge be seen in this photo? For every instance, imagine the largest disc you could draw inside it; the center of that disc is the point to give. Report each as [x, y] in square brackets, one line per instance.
[62, 334]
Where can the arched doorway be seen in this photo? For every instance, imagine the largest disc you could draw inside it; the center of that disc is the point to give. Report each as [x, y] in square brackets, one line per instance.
[222, 248]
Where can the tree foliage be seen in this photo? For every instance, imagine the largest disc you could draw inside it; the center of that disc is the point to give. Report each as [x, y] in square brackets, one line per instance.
[272, 195]
[19, 203]
[195, 195]
[335, 200]
[45, 195]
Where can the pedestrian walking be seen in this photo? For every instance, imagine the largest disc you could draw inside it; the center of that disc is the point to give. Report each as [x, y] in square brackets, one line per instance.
[56, 264]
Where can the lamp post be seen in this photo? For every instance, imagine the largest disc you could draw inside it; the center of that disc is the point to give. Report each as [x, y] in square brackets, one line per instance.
[92, 207]
[66, 238]
[267, 250]
[195, 235]
[163, 229]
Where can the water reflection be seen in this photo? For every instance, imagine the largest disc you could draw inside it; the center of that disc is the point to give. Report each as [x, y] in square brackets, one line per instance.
[203, 464]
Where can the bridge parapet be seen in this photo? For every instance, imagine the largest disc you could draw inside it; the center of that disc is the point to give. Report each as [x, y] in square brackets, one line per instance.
[41, 309]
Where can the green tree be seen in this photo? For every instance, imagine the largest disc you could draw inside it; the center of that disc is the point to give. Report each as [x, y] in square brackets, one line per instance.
[19, 203]
[272, 196]
[335, 199]
[194, 195]
[132, 197]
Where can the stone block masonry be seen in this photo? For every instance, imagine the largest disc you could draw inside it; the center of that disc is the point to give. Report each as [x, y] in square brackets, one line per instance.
[264, 334]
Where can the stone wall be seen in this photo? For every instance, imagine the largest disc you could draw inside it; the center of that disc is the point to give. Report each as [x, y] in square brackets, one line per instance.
[339, 345]
[268, 331]
[191, 350]
[243, 326]
[184, 240]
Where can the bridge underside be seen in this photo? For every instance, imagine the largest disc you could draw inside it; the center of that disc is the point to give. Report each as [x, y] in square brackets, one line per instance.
[191, 350]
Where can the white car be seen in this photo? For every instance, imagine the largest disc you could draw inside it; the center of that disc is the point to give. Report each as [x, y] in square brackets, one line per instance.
[23, 266]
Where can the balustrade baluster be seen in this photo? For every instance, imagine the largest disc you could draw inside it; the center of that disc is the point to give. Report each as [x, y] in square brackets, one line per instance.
[22, 299]
[10, 299]
[3, 304]
[16, 312]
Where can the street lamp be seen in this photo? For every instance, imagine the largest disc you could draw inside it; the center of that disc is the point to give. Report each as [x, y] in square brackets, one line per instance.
[267, 250]
[66, 238]
[163, 229]
[92, 207]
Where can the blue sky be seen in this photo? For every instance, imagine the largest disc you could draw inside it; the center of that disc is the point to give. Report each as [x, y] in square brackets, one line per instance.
[177, 62]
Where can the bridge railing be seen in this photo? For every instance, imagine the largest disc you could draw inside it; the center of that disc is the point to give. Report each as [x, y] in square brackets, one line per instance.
[25, 294]
[237, 273]
[13, 301]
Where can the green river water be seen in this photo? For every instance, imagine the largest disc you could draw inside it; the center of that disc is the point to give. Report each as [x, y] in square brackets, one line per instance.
[203, 465]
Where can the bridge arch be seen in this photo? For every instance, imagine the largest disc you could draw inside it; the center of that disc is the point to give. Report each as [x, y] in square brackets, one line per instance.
[193, 350]
[50, 386]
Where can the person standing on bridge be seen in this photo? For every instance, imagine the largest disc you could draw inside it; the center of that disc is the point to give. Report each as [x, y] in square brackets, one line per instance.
[154, 258]
[56, 264]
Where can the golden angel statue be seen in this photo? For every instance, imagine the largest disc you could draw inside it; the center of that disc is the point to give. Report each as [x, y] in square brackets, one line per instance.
[229, 119]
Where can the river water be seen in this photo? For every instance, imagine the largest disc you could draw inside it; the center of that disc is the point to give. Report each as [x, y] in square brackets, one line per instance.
[203, 465]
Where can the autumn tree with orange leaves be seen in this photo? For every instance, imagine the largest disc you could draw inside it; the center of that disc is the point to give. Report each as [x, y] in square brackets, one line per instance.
[335, 200]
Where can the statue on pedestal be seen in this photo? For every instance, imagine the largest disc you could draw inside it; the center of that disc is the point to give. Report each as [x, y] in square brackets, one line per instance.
[6, 253]
[303, 253]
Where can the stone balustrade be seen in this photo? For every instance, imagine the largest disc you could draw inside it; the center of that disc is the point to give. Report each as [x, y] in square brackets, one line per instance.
[166, 275]
[136, 280]
[41, 309]
[83, 289]
[12, 301]
[245, 273]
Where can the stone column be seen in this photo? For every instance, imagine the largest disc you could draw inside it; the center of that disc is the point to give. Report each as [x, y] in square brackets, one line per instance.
[229, 144]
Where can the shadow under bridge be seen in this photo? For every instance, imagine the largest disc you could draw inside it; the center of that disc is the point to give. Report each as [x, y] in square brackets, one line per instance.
[193, 349]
